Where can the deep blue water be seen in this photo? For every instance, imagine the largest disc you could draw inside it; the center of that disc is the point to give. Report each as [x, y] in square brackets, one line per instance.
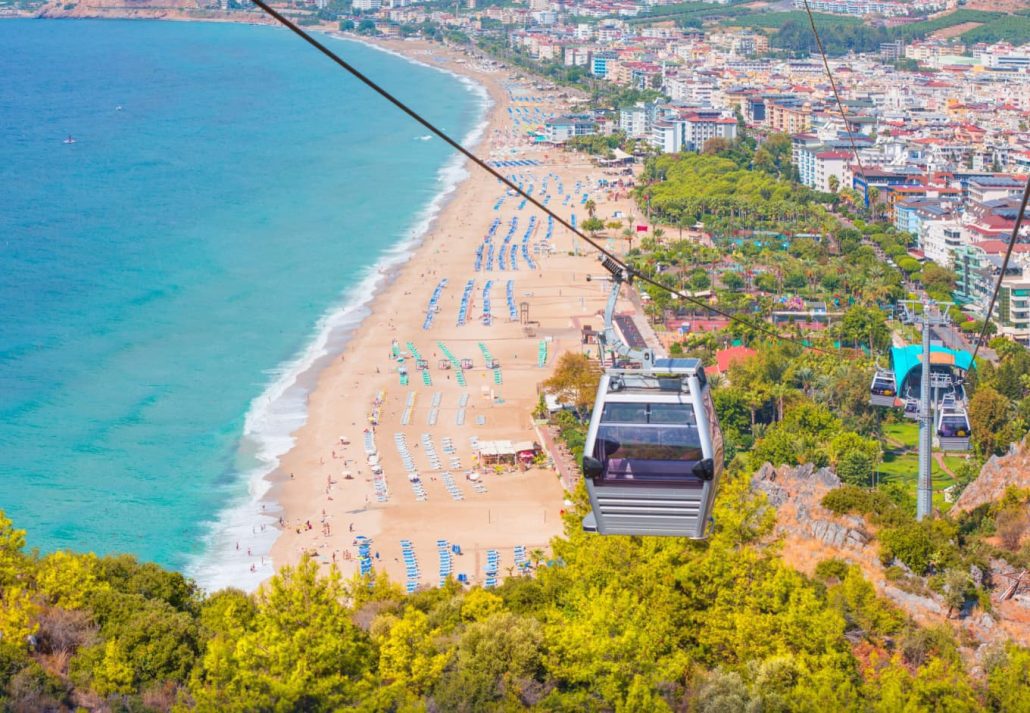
[227, 187]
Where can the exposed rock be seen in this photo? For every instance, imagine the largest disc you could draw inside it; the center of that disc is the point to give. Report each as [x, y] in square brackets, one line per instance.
[913, 603]
[810, 534]
[976, 574]
[998, 474]
[797, 493]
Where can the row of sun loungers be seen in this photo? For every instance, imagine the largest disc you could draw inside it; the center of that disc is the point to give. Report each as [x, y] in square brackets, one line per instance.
[488, 317]
[450, 451]
[514, 164]
[490, 362]
[378, 479]
[486, 241]
[462, 404]
[493, 564]
[466, 300]
[521, 561]
[509, 294]
[525, 243]
[452, 487]
[459, 371]
[434, 410]
[409, 465]
[434, 303]
[430, 451]
[421, 364]
[446, 560]
[502, 253]
[541, 353]
[364, 554]
[410, 566]
[409, 407]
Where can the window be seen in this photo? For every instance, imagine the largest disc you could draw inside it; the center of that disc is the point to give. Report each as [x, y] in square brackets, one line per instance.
[640, 441]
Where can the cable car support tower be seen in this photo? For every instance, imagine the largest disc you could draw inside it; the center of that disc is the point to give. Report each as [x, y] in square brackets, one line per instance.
[934, 314]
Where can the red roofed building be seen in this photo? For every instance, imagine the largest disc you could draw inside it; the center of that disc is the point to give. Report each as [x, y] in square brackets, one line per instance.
[990, 228]
[725, 358]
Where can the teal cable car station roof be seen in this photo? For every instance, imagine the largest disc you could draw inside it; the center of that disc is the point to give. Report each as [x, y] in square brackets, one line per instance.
[905, 359]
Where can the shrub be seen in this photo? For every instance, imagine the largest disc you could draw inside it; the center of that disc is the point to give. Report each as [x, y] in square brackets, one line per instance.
[922, 546]
[853, 499]
[831, 569]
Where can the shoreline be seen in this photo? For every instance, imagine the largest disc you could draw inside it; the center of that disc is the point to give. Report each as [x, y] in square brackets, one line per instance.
[299, 479]
[328, 493]
[298, 377]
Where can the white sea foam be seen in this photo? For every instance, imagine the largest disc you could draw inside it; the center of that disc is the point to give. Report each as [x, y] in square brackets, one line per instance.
[245, 530]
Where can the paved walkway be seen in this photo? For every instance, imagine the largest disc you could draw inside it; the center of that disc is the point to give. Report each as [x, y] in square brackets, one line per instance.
[567, 468]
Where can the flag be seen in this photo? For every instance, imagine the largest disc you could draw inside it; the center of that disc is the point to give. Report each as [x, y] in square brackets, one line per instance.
[641, 228]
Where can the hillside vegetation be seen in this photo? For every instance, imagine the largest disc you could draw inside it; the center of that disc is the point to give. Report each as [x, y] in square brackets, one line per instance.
[840, 34]
[615, 624]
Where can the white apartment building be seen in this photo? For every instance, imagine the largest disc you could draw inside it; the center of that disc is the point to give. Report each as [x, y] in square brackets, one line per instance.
[698, 128]
[1013, 308]
[827, 164]
[689, 89]
[577, 56]
[636, 121]
[667, 136]
[939, 238]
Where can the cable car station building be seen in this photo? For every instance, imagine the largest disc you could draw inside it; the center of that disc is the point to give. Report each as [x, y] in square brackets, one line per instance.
[906, 363]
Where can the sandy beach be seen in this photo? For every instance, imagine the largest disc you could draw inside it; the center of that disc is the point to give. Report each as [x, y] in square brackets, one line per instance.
[326, 489]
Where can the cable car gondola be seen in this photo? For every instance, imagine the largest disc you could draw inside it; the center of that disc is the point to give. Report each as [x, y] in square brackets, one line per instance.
[953, 429]
[653, 453]
[883, 391]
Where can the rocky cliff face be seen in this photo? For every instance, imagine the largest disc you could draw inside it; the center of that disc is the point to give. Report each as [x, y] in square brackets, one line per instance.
[796, 493]
[810, 534]
[998, 474]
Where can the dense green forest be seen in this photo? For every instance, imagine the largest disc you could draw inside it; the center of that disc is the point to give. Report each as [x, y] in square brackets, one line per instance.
[1013, 29]
[843, 34]
[922, 29]
[626, 624]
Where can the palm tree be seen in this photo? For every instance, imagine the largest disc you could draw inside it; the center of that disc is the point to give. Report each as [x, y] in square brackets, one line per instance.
[591, 207]
[628, 236]
[681, 223]
[780, 392]
[874, 195]
[805, 375]
[536, 557]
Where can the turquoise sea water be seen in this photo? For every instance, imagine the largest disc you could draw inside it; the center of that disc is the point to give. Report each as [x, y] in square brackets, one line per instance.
[166, 279]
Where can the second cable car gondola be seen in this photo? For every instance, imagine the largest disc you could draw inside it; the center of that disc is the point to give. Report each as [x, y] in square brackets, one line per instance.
[953, 430]
[653, 453]
[883, 391]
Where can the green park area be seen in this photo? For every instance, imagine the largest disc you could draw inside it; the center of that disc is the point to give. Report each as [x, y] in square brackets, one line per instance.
[901, 462]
